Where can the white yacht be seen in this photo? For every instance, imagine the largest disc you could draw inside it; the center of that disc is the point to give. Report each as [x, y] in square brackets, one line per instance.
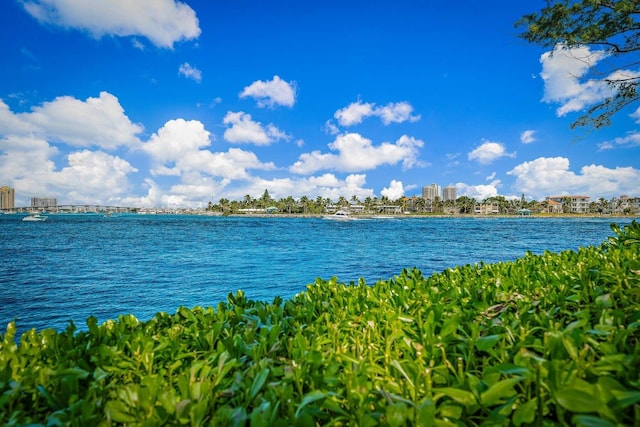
[340, 215]
[35, 217]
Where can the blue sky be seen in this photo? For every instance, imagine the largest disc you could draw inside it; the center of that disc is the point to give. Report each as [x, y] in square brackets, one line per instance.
[162, 103]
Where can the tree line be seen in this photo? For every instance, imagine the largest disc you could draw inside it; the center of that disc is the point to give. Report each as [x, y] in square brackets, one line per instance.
[417, 205]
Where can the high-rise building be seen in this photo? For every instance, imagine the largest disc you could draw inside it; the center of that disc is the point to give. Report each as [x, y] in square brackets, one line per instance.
[7, 198]
[430, 192]
[43, 202]
[449, 193]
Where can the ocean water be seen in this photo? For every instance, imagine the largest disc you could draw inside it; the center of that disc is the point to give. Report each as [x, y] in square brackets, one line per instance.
[75, 266]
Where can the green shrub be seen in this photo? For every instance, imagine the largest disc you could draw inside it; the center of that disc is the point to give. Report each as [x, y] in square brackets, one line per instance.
[548, 339]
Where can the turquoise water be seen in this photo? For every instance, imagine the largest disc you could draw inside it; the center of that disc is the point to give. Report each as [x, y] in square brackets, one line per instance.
[74, 266]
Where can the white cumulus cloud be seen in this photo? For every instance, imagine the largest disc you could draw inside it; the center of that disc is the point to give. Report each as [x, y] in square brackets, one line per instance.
[178, 149]
[394, 191]
[99, 122]
[93, 172]
[356, 153]
[177, 138]
[354, 113]
[244, 130]
[547, 176]
[397, 112]
[271, 93]
[478, 192]
[393, 112]
[85, 177]
[489, 151]
[163, 22]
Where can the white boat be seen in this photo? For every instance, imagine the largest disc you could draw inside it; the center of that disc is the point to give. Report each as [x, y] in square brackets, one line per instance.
[35, 217]
[340, 215]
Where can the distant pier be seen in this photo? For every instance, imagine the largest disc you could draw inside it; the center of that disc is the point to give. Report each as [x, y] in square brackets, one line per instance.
[98, 209]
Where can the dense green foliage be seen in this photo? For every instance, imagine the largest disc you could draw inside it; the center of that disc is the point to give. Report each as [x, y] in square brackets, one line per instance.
[549, 339]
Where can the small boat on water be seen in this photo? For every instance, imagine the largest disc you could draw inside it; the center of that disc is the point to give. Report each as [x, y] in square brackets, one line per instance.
[35, 218]
[340, 215]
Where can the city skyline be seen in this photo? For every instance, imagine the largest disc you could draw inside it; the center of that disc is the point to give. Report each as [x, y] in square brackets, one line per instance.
[191, 102]
[432, 193]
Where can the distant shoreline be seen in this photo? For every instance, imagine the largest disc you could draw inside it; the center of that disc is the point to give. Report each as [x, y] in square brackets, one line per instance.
[354, 216]
[427, 216]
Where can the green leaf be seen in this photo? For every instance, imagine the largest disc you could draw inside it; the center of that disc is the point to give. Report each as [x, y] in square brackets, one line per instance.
[261, 416]
[426, 413]
[258, 382]
[118, 412]
[450, 326]
[397, 414]
[397, 365]
[511, 369]
[77, 373]
[526, 413]
[187, 314]
[576, 400]
[626, 398]
[498, 391]
[461, 396]
[309, 398]
[589, 421]
[604, 301]
[487, 343]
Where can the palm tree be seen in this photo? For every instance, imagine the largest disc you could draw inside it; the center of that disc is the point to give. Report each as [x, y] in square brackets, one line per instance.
[304, 201]
[266, 200]
[421, 205]
[437, 205]
[466, 204]
[367, 204]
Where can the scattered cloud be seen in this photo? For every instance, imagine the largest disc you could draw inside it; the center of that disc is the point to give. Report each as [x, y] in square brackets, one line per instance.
[546, 176]
[163, 22]
[356, 153]
[29, 54]
[632, 139]
[96, 122]
[453, 159]
[331, 128]
[190, 72]
[489, 151]
[528, 136]
[397, 112]
[491, 177]
[356, 112]
[244, 130]
[271, 93]
[394, 191]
